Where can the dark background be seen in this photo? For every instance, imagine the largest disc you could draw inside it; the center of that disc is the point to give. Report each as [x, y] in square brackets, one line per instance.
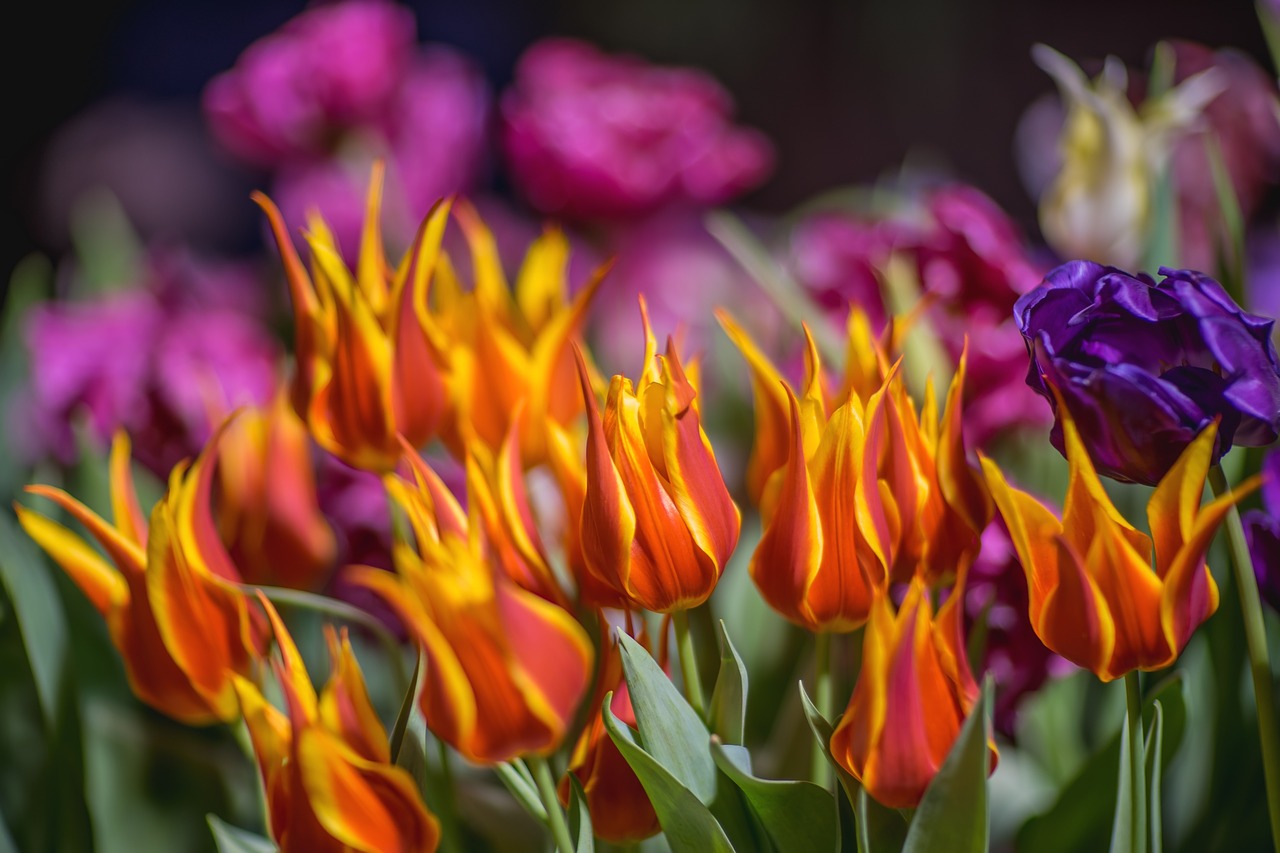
[845, 89]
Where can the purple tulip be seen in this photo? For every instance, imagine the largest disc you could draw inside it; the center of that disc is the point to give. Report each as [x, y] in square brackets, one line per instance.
[1262, 530]
[588, 135]
[1144, 367]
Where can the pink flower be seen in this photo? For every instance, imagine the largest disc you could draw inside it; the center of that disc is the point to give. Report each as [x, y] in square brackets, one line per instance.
[332, 66]
[590, 135]
[968, 256]
[160, 362]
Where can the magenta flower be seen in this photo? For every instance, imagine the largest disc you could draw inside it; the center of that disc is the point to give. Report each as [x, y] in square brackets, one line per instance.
[1012, 653]
[332, 66]
[969, 257]
[587, 135]
[340, 86]
[161, 365]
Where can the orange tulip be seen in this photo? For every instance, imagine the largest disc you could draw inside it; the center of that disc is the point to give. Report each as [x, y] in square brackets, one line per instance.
[511, 350]
[620, 808]
[1094, 598]
[505, 669]
[658, 524]
[856, 490]
[167, 590]
[368, 365]
[268, 511]
[913, 694]
[326, 766]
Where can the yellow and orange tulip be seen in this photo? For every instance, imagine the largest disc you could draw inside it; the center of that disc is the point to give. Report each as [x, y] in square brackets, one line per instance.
[369, 365]
[913, 694]
[511, 351]
[168, 590]
[620, 808]
[505, 669]
[325, 763]
[268, 511]
[856, 490]
[658, 525]
[1094, 597]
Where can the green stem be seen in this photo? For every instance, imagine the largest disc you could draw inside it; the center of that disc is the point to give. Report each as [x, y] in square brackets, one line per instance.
[555, 814]
[1137, 763]
[820, 769]
[688, 661]
[346, 613]
[447, 803]
[1255, 636]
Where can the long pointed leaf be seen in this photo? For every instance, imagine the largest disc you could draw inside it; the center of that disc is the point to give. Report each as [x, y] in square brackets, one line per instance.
[1152, 749]
[799, 816]
[729, 699]
[686, 821]
[670, 730]
[232, 839]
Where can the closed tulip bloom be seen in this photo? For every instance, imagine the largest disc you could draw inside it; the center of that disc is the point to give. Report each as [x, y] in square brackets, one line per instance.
[912, 696]
[620, 808]
[1094, 597]
[658, 524]
[367, 366]
[855, 488]
[168, 590]
[268, 511]
[511, 348]
[326, 766]
[505, 669]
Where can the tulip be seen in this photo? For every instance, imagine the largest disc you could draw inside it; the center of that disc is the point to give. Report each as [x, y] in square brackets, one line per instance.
[918, 505]
[325, 763]
[912, 696]
[1094, 598]
[168, 590]
[505, 669]
[1102, 202]
[658, 525]
[619, 807]
[367, 366]
[511, 350]
[1143, 367]
[268, 510]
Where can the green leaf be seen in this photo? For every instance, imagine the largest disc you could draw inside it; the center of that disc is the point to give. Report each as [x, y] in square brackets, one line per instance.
[231, 839]
[798, 816]
[580, 818]
[522, 787]
[670, 731]
[879, 829]
[729, 699]
[1080, 819]
[41, 619]
[7, 844]
[686, 821]
[406, 711]
[1231, 255]
[954, 815]
[1155, 738]
[107, 248]
[1123, 836]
